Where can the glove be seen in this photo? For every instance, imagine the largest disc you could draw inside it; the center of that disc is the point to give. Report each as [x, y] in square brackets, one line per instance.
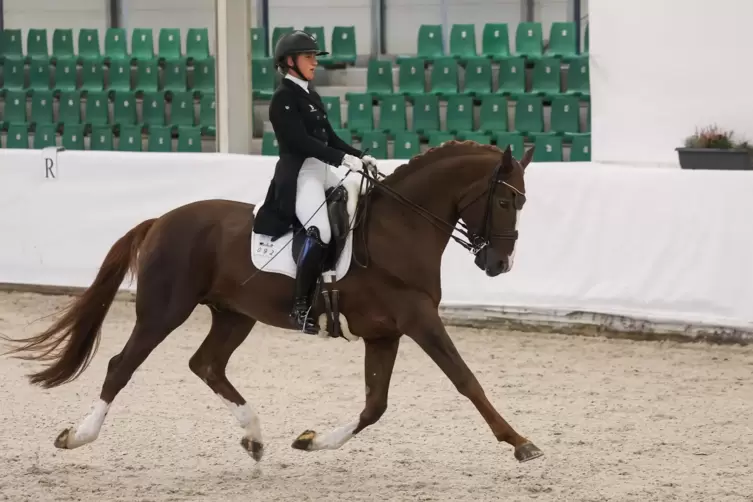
[353, 163]
[370, 163]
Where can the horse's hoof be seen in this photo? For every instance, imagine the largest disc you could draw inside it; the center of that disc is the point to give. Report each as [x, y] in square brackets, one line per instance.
[303, 442]
[62, 440]
[254, 448]
[527, 451]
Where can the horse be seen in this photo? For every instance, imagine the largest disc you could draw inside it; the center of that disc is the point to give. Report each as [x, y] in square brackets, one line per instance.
[198, 254]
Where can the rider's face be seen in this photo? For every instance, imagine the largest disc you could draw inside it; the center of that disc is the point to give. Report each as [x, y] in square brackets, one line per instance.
[307, 63]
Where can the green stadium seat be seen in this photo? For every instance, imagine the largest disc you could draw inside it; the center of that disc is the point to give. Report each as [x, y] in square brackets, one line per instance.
[169, 45]
[101, 138]
[495, 41]
[512, 77]
[426, 114]
[204, 76]
[207, 115]
[65, 76]
[262, 78]
[96, 109]
[344, 45]
[93, 76]
[116, 46]
[277, 33]
[580, 150]
[69, 109]
[529, 115]
[463, 41]
[321, 40]
[444, 76]
[360, 113]
[459, 114]
[159, 139]
[585, 42]
[119, 76]
[430, 42]
[174, 76]
[529, 40]
[548, 149]
[153, 109]
[142, 44]
[15, 108]
[41, 108]
[334, 113]
[73, 136]
[12, 45]
[269, 144]
[375, 144]
[493, 114]
[562, 40]
[181, 110]
[546, 78]
[44, 136]
[436, 138]
[36, 45]
[189, 139]
[39, 75]
[478, 77]
[13, 75]
[411, 76]
[392, 114]
[514, 140]
[478, 137]
[62, 45]
[345, 135]
[579, 79]
[197, 45]
[88, 46]
[124, 109]
[18, 136]
[565, 116]
[147, 76]
[129, 139]
[379, 78]
[407, 145]
[258, 46]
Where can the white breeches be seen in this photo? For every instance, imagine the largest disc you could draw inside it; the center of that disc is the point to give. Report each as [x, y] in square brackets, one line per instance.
[314, 178]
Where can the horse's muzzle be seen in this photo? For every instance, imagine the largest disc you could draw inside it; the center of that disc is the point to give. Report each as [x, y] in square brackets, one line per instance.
[491, 262]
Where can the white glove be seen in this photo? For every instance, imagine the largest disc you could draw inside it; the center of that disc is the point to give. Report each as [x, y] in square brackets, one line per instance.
[353, 163]
[371, 164]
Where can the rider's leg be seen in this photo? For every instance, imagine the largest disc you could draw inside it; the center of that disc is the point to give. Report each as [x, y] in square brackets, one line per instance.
[311, 211]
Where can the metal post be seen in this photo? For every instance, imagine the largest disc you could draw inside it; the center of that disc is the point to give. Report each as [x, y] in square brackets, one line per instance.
[576, 17]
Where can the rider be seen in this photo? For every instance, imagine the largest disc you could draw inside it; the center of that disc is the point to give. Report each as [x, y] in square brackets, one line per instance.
[307, 145]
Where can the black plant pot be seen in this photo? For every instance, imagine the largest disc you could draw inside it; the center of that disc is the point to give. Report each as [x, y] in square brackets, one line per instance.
[715, 158]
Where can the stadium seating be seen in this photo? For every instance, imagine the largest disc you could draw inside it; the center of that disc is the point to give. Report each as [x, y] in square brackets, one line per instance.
[515, 87]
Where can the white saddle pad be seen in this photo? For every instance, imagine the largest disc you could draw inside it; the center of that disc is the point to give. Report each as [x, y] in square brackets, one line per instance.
[277, 257]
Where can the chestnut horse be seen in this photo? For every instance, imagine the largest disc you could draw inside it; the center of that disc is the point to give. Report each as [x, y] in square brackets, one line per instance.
[199, 253]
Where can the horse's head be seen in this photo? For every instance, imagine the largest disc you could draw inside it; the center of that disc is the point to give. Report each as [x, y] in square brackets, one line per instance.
[490, 209]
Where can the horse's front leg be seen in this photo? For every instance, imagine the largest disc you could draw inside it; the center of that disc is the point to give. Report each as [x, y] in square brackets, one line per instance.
[420, 321]
[378, 365]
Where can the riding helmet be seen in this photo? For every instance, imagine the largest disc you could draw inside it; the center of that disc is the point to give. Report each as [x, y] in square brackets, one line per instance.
[296, 42]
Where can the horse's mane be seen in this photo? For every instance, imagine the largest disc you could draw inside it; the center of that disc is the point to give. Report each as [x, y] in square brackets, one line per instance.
[423, 159]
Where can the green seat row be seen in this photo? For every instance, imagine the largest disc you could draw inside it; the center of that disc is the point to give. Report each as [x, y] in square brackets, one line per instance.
[343, 43]
[101, 138]
[96, 110]
[169, 46]
[94, 76]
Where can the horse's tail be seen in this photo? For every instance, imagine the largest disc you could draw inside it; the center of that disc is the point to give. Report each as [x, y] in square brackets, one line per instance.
[73, 340]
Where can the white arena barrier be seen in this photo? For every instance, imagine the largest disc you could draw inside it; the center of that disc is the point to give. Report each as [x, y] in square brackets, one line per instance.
[626, 246]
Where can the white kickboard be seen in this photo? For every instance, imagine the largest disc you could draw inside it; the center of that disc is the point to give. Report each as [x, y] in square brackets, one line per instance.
[277, 257]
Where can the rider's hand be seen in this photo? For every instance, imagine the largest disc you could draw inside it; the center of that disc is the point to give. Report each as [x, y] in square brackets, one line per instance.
[353, 163]
[370, 163]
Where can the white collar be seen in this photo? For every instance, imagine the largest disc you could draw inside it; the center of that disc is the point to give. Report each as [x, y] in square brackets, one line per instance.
[302, 83]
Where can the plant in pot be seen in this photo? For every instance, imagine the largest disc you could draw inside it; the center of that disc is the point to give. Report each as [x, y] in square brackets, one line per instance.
[715, 148]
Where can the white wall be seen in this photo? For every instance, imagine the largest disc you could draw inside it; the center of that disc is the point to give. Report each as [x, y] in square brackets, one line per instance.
[655, 77]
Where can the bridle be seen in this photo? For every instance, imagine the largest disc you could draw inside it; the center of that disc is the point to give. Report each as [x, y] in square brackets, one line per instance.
[473, 241]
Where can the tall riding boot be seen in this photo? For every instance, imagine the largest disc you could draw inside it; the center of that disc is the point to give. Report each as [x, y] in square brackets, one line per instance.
[308, 270]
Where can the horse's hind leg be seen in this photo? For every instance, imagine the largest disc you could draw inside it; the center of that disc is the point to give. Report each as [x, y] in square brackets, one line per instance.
[229, 330]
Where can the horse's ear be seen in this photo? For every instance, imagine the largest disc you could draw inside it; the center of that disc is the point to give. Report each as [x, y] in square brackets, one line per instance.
[527, 157]
[507, 164]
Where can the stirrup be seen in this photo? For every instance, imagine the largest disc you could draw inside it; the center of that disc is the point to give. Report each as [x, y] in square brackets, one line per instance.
[301, 319]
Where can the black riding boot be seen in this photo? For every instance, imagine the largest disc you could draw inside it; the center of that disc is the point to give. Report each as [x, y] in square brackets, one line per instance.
[308, 270]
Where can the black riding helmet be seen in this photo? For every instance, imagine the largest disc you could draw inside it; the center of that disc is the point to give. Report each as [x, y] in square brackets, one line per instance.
[290, 44]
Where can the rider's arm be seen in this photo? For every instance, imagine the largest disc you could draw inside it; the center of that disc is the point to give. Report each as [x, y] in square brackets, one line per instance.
[289, 128]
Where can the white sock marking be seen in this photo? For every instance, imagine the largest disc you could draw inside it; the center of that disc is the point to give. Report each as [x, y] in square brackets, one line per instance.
[334, 439]
[247, 418]
[88, 430]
